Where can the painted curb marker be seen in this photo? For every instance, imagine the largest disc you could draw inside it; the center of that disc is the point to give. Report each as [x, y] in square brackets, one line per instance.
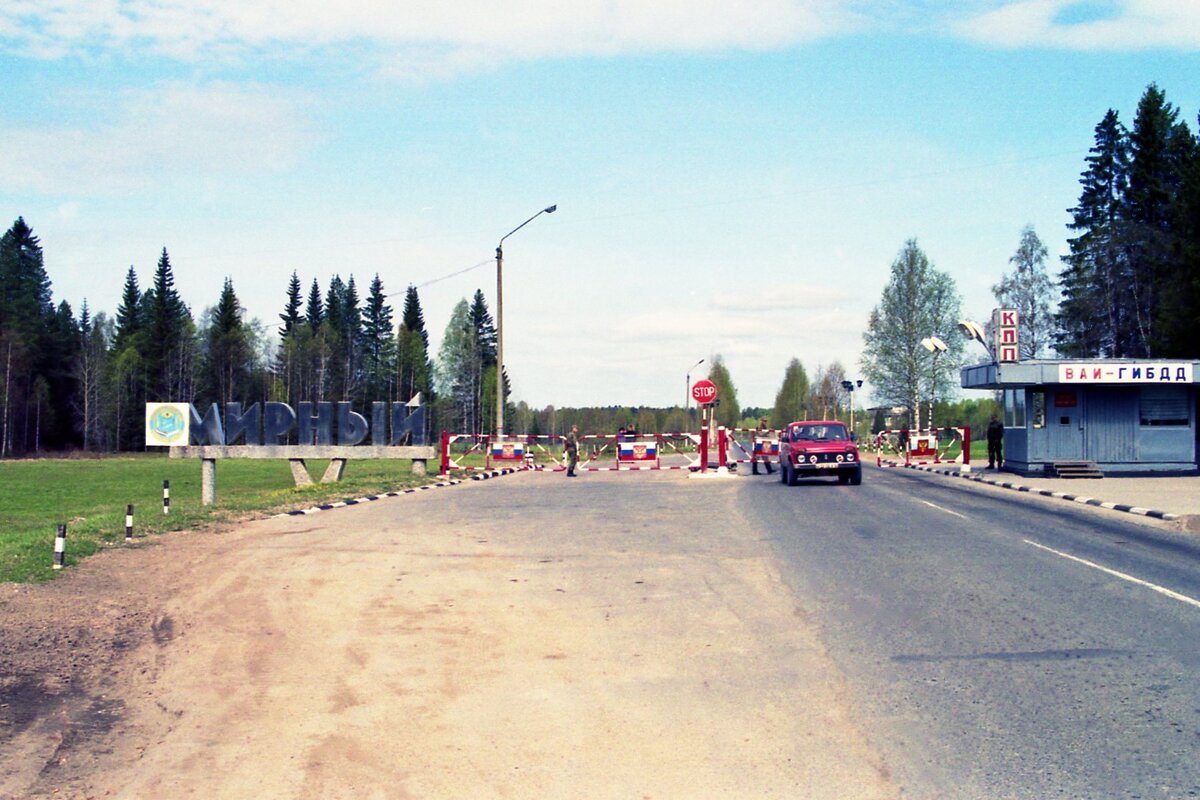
[443, 484]
[1089, 501]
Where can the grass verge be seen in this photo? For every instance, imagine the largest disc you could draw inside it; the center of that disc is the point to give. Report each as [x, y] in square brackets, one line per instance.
[90, 495]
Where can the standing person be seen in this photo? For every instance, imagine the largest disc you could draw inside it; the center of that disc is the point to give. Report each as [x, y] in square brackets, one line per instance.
[995, 441]
[571, 450]
[762, 445]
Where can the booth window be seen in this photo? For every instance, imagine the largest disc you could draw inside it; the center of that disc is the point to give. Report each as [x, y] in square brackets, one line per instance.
[1014, 408]
[1037, 408]
[1164, 406]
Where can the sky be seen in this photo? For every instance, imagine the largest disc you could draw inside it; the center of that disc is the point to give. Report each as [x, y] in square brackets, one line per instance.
[732, 179]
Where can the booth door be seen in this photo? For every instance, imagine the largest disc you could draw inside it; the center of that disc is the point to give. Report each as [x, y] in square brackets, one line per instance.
[1065, 424]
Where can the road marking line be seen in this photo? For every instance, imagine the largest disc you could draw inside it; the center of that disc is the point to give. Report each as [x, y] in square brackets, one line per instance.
[1183, 598]
[948, 511]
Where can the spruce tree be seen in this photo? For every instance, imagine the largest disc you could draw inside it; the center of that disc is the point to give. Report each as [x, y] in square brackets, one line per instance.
[291, 311]
[26, 313]
[314, 312]
[379, 345]
[1154, 182]
[168, 348]
[1093, 313]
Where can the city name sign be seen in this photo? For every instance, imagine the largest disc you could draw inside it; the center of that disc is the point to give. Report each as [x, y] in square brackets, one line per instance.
[271, 424]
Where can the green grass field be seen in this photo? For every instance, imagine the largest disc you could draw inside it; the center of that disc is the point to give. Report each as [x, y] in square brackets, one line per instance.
[90, 495]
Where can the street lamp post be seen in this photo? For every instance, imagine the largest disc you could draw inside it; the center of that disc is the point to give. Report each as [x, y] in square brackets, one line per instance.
[687, 394]
[850, 386]
[936, 346]
[500, 319]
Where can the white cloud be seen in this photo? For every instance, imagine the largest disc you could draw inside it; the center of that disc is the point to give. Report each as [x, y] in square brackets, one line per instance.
[1113, 25]
[172, 132]
[461, 31]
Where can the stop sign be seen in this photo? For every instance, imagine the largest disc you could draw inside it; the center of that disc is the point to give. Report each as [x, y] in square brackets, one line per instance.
[704, 391]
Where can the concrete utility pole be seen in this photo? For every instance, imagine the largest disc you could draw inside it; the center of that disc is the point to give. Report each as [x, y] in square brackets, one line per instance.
[500, 319]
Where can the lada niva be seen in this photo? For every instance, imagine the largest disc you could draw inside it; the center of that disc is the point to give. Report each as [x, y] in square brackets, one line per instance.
[818, 448]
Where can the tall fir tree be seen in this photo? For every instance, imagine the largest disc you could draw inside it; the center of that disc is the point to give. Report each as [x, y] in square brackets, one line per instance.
[291, 311]
[379, 345]
[227, 349]
[413, 366]
[26, 313]
[168, 348]
[1093, 313]
[1154, 182]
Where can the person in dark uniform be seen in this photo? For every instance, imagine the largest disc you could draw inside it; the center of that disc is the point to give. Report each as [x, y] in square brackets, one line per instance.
[761, 442]
[571, 450]
[995, 443]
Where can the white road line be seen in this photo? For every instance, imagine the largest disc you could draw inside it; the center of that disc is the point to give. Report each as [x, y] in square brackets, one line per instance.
[1183, 598]
[939, 508]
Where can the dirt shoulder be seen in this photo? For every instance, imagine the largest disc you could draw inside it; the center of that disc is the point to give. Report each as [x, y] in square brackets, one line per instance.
[517, 638]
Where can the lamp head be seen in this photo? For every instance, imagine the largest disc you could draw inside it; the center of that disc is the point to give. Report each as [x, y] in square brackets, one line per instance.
[938, 345]
[551, 209]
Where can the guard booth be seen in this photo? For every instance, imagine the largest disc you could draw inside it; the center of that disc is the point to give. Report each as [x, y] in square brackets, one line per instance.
[1089, 416]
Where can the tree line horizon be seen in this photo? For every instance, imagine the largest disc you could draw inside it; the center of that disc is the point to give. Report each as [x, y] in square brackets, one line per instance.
[1129, 287]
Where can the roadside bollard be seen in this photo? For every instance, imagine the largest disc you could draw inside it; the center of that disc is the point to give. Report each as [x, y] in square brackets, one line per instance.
[60, 546]
[166, 496]
[129, 522]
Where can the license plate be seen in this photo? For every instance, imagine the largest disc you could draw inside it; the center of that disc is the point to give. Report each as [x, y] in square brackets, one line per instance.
[827, 465]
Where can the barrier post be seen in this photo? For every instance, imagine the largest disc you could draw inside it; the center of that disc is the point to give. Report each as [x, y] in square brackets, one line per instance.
[166, 496]
[445, 453]
[60, 546]
[703, 447]
[722, 447]
[966, 446]
[129, 522]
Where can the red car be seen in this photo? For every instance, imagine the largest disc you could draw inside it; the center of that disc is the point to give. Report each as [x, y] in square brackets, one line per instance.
[818, 448]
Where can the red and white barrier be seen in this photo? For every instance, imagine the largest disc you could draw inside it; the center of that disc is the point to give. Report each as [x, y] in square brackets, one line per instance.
[896, 447]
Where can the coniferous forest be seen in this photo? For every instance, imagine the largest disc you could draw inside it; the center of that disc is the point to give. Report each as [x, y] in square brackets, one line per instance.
[1129, 288]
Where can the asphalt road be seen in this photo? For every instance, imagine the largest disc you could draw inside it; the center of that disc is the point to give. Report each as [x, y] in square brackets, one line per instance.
[995, 646]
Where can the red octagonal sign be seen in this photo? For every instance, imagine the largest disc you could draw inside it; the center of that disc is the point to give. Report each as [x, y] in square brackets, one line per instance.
[704, 391]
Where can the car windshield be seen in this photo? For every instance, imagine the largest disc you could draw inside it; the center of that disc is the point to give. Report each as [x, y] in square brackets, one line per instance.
[819, 433]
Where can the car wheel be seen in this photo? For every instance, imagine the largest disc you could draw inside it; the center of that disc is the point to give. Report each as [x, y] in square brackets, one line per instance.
[856, 477]
[782, 472]
[843, 477]
[792, 477]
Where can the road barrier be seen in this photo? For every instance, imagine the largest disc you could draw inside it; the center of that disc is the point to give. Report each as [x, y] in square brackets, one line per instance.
[597, 452]
[902, 447]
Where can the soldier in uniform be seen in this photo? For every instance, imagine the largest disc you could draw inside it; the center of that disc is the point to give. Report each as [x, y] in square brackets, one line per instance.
[995, 443]
[571, 450]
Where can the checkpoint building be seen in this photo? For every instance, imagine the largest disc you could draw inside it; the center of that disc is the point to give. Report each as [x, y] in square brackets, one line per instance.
[1115, 416]
[1090, 416]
